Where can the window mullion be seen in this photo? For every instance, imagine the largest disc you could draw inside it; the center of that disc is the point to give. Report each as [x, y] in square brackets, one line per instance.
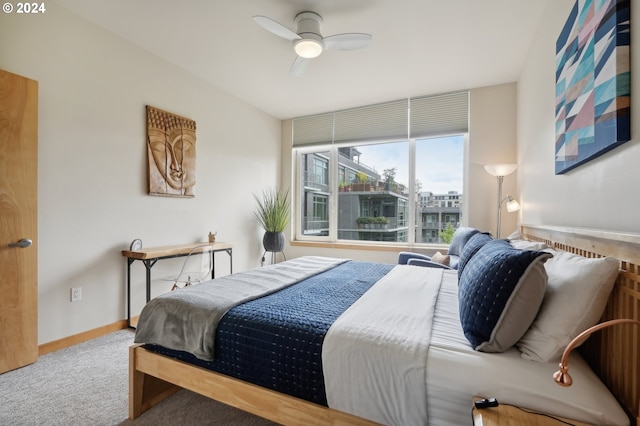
[333, 198]
[411, 220]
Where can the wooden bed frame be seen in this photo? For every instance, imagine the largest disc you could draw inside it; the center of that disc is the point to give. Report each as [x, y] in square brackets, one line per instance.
[613, 353]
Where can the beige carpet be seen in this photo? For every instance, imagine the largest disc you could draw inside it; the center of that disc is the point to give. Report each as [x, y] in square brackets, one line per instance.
[87, 385]
[188, 408]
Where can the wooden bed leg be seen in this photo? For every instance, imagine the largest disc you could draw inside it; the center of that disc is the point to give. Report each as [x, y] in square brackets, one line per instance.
[136, 384]
[145, 391]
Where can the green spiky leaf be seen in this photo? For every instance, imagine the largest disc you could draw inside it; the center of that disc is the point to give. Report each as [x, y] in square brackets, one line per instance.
[273, 210]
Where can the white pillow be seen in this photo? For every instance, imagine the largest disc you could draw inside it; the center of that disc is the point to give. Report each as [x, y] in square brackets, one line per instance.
[576, 296]
[515, 235]
[528, 245]
[443, 259]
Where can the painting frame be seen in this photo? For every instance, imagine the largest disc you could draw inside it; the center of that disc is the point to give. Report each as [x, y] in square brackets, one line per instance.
[171, 154]
[593, 82]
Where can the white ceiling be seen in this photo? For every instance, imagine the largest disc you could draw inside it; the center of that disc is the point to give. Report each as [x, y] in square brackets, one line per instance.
[419, 47]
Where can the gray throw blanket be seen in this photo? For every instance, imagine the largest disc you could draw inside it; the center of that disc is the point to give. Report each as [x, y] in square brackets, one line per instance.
[187, 319]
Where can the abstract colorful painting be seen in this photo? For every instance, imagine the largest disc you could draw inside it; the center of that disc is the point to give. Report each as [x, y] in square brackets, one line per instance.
[592, 82]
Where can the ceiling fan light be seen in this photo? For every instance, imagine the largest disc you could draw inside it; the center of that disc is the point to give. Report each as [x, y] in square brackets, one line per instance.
[308, 48]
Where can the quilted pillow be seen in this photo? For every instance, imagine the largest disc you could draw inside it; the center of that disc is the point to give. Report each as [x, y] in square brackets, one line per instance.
[473, 245]
[460, 238]
[577, 294]
[500, 291]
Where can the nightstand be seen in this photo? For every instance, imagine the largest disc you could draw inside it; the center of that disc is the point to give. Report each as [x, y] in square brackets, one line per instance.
[510, 415]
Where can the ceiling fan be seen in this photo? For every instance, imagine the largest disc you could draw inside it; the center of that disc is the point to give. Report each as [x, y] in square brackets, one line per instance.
[308, 42]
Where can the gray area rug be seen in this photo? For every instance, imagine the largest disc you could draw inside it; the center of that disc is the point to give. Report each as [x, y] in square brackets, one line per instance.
[87, 384]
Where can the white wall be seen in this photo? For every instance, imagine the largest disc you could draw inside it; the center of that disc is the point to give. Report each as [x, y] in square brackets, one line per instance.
[599, 194]
[93, 88]
[492, 138]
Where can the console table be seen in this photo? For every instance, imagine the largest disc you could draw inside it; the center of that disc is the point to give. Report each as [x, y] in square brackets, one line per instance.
[149, 257]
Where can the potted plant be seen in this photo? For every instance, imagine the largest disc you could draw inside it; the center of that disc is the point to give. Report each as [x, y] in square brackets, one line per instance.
[362, 182]
[273, 216]
[381, 222]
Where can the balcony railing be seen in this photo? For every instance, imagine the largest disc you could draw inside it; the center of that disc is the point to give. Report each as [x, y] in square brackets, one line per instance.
[314, 225]
[316, 181]
[392, 224]
[439, 225]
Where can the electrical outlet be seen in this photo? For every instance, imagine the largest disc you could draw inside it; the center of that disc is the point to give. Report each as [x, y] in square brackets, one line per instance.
[76, 294]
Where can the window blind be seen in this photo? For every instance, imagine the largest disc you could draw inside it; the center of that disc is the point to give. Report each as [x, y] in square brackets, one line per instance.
[386, 121]
[397, 120]
[313, 130]
[439, 115]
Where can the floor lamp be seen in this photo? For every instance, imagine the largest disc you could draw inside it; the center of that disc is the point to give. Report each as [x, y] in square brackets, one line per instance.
[500, 171]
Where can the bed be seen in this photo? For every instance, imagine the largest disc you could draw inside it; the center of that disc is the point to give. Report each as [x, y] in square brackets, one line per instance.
[454, 371]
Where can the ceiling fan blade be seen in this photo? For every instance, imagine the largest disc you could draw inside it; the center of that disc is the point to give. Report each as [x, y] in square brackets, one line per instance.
[276, 28]
[299, 66]
[348, 41]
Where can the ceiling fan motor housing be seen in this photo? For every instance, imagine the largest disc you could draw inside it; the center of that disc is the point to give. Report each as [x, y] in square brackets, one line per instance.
[310, 45]
[308, 25]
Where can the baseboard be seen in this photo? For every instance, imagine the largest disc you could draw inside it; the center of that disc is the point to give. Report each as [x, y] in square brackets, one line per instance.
[81, 337]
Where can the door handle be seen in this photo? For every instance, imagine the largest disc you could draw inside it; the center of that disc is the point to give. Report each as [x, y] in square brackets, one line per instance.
[23, 243]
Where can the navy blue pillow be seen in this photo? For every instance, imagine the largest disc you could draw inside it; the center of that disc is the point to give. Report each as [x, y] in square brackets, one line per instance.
[500, 292]
[460, 238]
[473, 245]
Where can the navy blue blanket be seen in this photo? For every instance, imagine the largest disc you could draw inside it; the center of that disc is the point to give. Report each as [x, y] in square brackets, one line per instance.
[276, 341]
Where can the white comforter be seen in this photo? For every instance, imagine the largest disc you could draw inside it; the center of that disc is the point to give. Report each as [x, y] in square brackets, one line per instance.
[375, 361]
[375, 355]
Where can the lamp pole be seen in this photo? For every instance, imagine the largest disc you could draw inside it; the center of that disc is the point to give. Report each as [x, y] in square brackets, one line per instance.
[500, 179]
[500, 171]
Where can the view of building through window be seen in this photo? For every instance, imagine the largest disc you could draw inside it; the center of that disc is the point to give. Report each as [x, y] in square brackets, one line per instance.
[374, 193]
[439, 172]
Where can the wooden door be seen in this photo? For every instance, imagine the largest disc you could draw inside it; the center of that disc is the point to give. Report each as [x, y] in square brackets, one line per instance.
[18, 221]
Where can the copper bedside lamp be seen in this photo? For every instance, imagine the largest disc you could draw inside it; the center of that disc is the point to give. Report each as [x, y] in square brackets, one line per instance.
[562, 376]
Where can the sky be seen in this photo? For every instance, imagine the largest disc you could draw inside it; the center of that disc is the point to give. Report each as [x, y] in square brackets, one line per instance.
[438, 162]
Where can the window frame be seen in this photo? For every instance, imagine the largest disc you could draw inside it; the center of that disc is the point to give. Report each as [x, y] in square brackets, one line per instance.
[333, 184]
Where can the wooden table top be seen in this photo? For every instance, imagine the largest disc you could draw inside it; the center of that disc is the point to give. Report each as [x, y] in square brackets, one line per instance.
[510, 415]
[175, 250]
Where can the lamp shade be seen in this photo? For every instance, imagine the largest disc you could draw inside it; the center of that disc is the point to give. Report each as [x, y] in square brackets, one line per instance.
[500, 169]
[512, 205]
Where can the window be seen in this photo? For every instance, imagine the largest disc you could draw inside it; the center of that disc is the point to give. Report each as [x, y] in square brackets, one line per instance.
[314, 197]
[390, 172]
[374, 197]
[320, 172]
[318, 220]
[439, 172]
[372, 205]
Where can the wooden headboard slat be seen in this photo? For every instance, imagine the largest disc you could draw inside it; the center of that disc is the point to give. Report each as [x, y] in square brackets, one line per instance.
[613, 353]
